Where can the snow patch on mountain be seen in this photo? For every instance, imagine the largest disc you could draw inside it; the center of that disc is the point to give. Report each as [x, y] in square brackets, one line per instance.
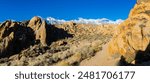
[52, 20]
[55, 21]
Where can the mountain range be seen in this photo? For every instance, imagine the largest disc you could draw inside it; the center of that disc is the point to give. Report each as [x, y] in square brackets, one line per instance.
[52, 20]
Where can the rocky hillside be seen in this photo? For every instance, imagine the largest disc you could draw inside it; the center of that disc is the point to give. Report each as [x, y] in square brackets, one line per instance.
[130, 43]
[35, 42]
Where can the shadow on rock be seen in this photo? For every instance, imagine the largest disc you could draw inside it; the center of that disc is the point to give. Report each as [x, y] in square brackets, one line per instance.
[143, 57]
[14, 37]
[54, 34]
[17, 36]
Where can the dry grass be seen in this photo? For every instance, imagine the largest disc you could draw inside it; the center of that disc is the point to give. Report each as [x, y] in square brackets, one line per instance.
[85, 43]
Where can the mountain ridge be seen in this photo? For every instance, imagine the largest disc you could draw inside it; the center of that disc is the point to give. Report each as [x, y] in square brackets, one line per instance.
[52, 20]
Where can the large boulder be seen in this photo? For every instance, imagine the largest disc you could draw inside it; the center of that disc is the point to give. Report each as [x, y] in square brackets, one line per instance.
[39, 27]
[133, 35]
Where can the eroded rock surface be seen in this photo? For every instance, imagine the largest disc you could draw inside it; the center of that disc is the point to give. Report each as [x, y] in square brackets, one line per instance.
[39, 27]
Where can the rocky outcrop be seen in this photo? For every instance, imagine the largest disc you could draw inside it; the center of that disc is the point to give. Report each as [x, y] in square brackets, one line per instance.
[15, 36]
[6, 45]
[6, 37]
[6, 28]
[131, 37]
[39, 27]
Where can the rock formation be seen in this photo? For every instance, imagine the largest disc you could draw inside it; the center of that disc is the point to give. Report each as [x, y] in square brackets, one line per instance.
[6, 46]
[39, 27]
[15, 36]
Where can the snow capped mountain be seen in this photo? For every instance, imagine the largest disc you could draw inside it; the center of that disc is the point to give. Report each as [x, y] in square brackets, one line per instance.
[55, 21]
[52, 20]
[97, 21]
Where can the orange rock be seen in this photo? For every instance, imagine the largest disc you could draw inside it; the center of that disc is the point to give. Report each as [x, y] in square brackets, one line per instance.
[6, 37]
[39, 28]
[132, 36]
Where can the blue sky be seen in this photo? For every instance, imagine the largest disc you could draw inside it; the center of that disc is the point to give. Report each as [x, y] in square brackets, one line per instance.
[65, 9]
